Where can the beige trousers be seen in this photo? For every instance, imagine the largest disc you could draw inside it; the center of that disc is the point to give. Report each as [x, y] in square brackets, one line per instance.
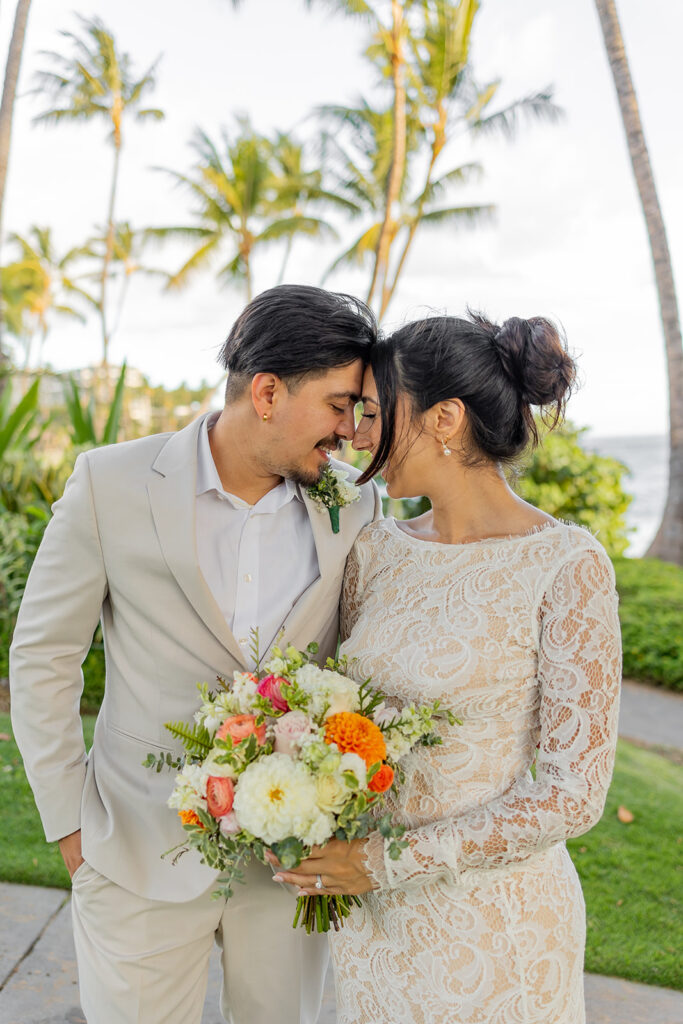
[144, 961]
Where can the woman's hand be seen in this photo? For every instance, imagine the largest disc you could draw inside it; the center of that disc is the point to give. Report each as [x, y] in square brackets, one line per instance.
[339, 864]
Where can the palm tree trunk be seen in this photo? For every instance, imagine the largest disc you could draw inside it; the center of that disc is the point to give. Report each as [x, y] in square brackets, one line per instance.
[108, 252]
[668, 543]
[398, 156]
[14, 55]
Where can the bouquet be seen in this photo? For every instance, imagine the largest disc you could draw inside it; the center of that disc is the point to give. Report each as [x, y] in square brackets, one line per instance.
[284, 759]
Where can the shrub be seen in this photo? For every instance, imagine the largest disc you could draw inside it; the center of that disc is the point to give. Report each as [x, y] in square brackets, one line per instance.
[568, 482]
[20, 536]
[651, 613]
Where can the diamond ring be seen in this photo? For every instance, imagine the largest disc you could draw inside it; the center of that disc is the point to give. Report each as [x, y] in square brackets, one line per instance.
[318, 882]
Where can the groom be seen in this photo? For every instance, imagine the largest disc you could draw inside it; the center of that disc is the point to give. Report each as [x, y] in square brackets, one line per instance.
[180, 544]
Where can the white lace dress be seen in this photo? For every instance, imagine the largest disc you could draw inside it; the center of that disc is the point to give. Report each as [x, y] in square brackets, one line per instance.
[481, 920]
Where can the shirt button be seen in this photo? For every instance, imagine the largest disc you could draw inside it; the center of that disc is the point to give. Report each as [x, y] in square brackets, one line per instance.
[247, 577]
[243, 640]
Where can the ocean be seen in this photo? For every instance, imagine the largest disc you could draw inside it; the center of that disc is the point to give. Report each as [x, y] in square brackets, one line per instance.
[647, 460]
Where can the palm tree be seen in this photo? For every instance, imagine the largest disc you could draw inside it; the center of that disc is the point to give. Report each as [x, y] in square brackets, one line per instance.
[668, 542]
[434, 97]
[16, 48]
[126, 261]
[244, 199]
[97, 81]
[38, 284]
[298, 186]
[360, 174]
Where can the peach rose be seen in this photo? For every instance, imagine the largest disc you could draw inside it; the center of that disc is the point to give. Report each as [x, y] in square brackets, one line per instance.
[238, 727]
[289, 730]
[220, 793]
[271, 688]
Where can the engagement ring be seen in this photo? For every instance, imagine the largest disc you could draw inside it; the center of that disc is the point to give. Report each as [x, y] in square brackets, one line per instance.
[318, 882]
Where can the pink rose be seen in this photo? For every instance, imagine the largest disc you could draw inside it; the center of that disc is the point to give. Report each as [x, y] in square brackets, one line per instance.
[230, 824]
[289, 731]
[220, 793]
[238, 727]
[271, 689]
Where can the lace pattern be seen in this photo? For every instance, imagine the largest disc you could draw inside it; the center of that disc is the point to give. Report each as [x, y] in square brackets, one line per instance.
[520, 637]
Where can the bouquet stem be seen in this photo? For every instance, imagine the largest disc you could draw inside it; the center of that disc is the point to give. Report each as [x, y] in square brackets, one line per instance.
[320, 912]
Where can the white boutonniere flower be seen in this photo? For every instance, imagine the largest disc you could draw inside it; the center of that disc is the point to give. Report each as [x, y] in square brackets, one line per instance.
[333, 492]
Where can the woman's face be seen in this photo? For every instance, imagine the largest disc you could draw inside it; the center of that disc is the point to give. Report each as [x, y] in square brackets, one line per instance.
[405, 468]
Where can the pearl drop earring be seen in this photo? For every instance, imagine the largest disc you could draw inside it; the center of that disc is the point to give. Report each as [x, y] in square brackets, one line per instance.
[446, 449]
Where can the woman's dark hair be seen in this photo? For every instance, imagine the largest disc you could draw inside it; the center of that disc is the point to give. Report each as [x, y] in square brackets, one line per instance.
[498, 373]
[293, 330]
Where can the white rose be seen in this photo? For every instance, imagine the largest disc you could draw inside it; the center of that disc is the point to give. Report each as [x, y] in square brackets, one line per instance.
[332, 793]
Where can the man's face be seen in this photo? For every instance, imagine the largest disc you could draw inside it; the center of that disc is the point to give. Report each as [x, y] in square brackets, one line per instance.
[309, 422]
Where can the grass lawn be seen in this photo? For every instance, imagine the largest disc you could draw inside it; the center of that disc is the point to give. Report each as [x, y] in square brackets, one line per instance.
[631, 874]
[24, 855]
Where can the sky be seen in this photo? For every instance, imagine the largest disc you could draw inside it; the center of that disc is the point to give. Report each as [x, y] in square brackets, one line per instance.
[568, 240]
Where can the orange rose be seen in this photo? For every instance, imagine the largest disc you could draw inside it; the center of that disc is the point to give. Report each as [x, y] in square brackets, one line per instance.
[382, 779]
[238, 727]
[356, 734]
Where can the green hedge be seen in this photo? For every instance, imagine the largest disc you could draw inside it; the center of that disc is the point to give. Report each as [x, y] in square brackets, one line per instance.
[651, 613]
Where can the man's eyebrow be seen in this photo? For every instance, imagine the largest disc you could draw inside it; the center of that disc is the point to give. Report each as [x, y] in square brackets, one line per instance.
[344, 394]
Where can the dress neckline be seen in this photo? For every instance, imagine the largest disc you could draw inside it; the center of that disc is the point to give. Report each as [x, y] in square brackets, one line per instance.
[531, 532]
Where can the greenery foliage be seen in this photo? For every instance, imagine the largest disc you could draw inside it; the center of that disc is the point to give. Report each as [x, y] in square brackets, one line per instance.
[570, 482]
[651, 613]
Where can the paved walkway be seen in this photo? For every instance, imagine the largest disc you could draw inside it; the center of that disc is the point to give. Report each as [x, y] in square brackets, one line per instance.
[38, 972]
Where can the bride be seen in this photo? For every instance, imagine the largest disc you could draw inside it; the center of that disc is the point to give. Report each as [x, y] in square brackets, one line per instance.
[509, 617]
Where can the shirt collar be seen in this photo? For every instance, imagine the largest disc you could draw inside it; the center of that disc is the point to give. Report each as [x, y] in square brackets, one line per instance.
[208, 479]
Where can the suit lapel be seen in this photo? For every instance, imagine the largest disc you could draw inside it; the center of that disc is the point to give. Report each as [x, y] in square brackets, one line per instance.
[172, 499]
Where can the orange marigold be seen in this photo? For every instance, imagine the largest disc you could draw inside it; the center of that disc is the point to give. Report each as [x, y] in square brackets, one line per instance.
[356, 734]
[189, 818]
[382, 779]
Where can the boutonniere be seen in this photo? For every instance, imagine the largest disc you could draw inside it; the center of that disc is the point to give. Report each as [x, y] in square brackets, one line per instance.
[333, 492]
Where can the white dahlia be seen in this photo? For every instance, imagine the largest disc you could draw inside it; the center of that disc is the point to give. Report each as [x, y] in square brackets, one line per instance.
[276, 798]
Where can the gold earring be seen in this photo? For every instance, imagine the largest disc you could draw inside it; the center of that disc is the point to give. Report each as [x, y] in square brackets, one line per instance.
[446, 449]
[265, 416]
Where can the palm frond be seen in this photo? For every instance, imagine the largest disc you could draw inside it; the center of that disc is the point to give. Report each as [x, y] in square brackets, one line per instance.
[536, 107]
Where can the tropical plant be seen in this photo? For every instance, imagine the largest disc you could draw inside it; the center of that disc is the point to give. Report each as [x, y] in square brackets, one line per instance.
[668, 541]
[82, 416]
[96, 81]
[16, 423]
[16, 48]
[41, 282]
[245, 198]
[422, 50]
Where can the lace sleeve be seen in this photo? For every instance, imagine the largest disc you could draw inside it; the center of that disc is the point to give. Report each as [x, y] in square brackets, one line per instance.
[579, 673]
[351, 597]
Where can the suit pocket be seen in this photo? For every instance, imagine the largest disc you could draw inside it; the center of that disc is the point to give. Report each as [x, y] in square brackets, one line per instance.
[139, 739]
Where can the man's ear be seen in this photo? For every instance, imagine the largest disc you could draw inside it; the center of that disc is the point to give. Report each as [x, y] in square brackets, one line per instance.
[264, 393]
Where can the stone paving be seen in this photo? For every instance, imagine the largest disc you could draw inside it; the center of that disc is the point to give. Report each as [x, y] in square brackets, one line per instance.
[38, 972]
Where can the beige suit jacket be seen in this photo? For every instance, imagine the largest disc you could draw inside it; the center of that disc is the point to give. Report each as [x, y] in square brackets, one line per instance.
[121, 548]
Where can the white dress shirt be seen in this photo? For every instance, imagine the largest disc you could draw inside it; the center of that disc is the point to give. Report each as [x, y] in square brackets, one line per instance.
[256, 559]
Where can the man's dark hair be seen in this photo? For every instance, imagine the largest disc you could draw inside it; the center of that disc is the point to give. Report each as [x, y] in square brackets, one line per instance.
[293, 331]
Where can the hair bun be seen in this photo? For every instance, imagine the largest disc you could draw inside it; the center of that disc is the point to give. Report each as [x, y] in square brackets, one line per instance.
[535, 358]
